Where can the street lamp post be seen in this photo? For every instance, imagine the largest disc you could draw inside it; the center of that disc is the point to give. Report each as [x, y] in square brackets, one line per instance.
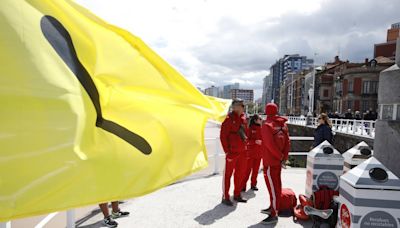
[311, 94]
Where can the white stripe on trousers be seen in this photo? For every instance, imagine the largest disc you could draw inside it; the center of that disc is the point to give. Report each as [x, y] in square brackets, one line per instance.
[271, 184]
[223, 180]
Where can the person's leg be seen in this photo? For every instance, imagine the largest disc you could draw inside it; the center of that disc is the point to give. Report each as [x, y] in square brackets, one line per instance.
[227, 174]
[104, 209]
[247, 172]
[108, 221]
[116, 212]
[278, 183]
[240, 171]
[115, 207]
[254, 173]
[273, 189]
[269, 186]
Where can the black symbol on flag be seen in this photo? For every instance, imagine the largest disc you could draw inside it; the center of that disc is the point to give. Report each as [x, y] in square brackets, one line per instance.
[61, 41]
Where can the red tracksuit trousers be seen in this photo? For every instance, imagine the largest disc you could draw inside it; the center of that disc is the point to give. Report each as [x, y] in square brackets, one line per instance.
[234, 164]
[253, 166]
[272, 176]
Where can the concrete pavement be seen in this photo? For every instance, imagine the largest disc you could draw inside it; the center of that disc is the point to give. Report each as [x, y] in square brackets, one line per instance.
[196, 203]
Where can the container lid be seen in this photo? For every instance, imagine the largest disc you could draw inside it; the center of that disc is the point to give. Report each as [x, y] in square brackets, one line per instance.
[325, 149]
[371, 174]
[361, 150]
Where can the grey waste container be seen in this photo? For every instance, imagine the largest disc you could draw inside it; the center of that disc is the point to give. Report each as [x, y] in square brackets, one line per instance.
[369, 196]
[324, 167]
[356, 155]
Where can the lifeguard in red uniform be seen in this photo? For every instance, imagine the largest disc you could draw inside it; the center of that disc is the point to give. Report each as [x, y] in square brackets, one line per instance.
[276, 146]
[254, 152]
[233, 137]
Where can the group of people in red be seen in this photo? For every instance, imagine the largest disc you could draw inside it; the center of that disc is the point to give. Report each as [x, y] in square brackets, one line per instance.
[246, 145]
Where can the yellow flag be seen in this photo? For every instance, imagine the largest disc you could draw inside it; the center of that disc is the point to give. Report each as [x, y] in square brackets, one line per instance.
[88, 112]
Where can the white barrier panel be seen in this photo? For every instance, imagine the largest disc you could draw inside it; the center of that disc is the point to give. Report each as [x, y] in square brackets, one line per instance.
[356, 155]
[324, 167]
[369, 197]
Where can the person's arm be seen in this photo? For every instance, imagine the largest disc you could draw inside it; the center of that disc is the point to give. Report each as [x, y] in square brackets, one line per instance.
[317, 137]
[251, 136]
[287, 146]
[224, 135]
[268, 142]
[327, 134]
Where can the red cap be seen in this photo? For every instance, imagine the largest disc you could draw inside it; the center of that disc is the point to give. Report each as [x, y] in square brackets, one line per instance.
[271, 109]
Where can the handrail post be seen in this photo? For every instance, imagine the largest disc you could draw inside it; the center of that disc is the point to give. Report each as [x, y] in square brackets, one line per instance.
[71, 218]
[362, 127]
[216, 156]
[5, 224]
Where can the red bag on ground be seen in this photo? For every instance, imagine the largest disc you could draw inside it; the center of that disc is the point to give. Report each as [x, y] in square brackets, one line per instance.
[323, 198]
[288, 201]
[299, 209]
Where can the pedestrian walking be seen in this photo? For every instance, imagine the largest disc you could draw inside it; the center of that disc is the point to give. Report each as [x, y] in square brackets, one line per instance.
[323, 131]
[276, 146]
[254, 152]
[233, 138]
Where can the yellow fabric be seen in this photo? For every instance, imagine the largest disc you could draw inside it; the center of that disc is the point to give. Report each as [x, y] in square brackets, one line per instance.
[53, 157]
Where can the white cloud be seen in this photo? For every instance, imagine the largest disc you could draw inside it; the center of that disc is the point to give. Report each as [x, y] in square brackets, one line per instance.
[215, 42]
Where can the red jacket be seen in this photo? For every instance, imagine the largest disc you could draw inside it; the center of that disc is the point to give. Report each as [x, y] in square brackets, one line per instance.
[230, 137]
[275, 137]
[255, 150]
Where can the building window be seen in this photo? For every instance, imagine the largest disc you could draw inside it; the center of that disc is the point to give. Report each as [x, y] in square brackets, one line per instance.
[374, 87]
[351, 87]
[349, 104]
[387, 112]
[326, 93]
[365, 106]
[366, 87]
[370, 87]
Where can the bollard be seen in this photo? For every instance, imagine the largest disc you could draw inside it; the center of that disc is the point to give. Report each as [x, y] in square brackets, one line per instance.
[5, 224]
[356, 155]
[71, 218]
[324, 167]
[369, 197]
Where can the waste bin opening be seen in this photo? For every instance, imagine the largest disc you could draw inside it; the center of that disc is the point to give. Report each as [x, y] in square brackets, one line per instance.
[365, 151]
[378, 174]
[327, 150]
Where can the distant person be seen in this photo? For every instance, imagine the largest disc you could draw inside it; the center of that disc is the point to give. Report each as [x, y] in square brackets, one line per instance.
[233, 138]
[323, 131]
[357, 115]
[276, 146]
[374, 115]
[336, 115]
[348, 114]
[368, 115]
[116, 213]
[254, 152]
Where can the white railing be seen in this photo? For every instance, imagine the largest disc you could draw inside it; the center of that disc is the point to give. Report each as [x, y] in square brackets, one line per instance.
[364, 128]
[70, 223]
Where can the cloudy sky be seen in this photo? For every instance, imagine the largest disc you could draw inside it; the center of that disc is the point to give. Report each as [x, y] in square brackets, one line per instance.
[217, 42]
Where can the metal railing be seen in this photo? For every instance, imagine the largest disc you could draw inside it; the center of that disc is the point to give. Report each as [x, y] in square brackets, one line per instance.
[364, 128]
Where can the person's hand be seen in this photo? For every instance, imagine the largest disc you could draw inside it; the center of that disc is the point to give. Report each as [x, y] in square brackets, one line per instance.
[258, 142]
[284, 163]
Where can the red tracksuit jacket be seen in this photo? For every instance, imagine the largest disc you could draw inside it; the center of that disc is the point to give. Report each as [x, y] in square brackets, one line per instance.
[276, 142]
[255, 150]
[230, 139]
